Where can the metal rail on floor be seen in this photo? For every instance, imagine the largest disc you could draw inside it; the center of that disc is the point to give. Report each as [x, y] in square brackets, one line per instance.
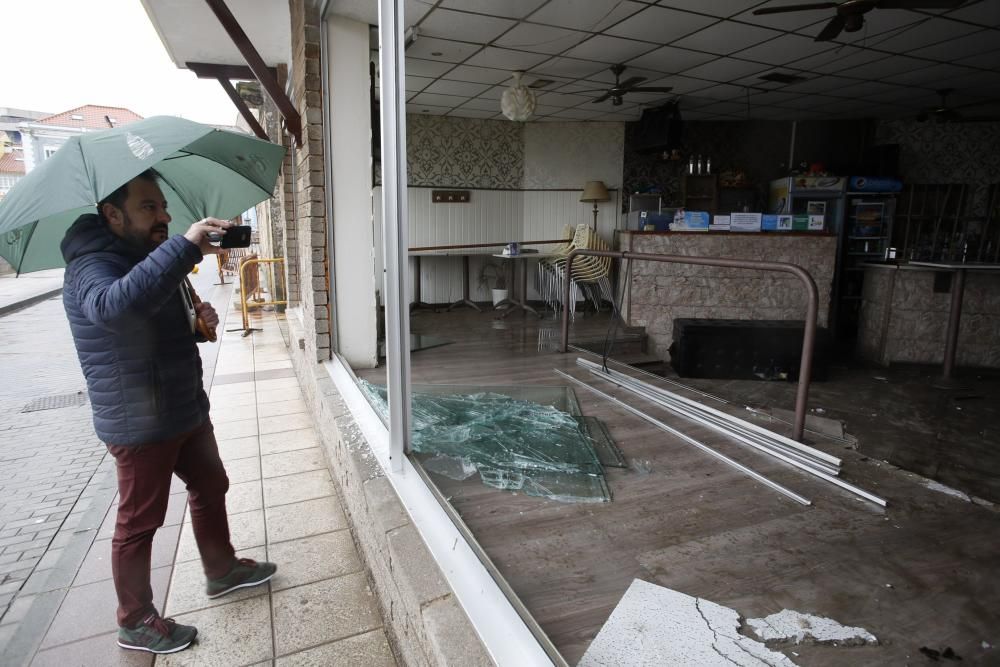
[812, 307]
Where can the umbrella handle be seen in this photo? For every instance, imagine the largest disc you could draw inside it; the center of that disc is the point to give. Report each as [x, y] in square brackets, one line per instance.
[203, 328]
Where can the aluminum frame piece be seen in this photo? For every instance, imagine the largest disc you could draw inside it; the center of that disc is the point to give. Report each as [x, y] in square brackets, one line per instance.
[691, 441]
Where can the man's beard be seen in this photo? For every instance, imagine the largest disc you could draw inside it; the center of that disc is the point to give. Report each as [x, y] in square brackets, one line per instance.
[141, 241]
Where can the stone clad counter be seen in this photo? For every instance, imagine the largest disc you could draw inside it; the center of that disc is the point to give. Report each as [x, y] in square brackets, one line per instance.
[904, 320]
[659, 292]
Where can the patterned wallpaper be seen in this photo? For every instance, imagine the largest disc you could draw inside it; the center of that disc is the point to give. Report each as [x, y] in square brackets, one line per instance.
[464, 152]
[566, 155]
[966, 153]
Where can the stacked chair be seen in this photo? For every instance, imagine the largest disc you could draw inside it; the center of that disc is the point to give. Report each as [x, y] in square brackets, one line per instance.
[590, 275]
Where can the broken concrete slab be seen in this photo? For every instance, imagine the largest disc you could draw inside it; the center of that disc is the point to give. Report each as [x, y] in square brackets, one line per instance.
[653, 625]
[795, 627]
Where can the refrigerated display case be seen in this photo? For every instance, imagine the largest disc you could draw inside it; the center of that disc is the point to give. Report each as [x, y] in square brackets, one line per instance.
[866, 238]
[816, 203]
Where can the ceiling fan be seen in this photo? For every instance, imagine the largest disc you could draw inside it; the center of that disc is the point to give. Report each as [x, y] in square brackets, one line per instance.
[850, 15]
[942, 113]
[630, 85]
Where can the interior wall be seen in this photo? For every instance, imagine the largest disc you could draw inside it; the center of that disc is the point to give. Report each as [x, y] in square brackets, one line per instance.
[962, 153]
[353, 238]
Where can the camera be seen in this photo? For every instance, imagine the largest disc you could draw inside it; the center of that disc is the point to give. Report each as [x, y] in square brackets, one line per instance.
[235, 237]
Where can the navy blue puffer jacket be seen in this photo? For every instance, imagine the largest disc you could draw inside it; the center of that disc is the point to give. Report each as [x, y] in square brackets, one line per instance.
[132, 333]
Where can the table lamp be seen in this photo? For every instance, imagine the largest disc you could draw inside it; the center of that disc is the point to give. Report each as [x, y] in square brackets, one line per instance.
[595, 191]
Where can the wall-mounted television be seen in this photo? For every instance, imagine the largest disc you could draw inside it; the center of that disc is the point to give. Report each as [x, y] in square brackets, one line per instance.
[659, 129]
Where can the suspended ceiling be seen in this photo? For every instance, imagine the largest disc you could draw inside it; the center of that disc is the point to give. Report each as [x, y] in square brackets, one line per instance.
[712, 52]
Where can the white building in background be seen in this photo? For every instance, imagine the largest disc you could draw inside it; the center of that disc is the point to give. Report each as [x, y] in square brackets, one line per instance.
[42, 137]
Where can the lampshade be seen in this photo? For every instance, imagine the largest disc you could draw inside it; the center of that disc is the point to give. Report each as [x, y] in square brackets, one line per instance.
[595, 191]
[518, 101]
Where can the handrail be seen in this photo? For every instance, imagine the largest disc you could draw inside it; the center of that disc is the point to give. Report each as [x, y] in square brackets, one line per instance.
[243, 289]
[812, 308]
[485, 245]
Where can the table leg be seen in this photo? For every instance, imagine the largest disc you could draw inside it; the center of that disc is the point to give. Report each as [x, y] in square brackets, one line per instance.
[523, 303]
[954, 320]
[465, 300]
[417, 303]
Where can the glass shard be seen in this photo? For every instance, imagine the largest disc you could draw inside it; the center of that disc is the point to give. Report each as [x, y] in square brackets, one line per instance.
[608, 452]
[523, 439]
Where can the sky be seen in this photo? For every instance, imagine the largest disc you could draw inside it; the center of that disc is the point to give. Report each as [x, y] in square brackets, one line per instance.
[61, 54]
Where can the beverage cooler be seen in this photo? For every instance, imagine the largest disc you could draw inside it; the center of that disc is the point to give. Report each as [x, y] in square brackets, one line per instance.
[816, 203]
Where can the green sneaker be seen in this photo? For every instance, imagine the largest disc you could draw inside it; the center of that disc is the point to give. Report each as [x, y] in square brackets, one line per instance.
[157, 635]
[245, 573]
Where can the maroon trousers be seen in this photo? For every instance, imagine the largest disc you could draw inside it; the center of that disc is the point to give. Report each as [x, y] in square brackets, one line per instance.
[144, 473]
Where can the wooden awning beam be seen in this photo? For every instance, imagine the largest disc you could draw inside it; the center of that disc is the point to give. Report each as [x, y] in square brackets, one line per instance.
[230, 72]
[261, 72]
[244, 110]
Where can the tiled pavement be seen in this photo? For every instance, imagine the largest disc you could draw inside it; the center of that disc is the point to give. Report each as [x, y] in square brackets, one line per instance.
[318, 609]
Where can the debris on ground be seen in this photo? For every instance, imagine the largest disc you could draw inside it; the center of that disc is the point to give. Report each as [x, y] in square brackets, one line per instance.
[792, 626]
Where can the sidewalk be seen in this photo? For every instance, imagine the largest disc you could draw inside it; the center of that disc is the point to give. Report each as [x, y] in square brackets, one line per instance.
[18, 292]
[318, 609]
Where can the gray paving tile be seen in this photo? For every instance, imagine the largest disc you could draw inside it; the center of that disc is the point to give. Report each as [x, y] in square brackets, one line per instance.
[288, 463]
[243, 428]
[243, 470]
[90, 610]
[246, 530]
[238, 633]
[223, 413]
[101, 650]
[309, 517]
[281, 423]
[97, 565]
[322, 612]
[294, 488]
[244, 497]
[239, 448]
[273, 443]
[277, 395]
[370, 649]
[275, 408]
[233, 401]
[314, 558]
[231, 389]
[187, 587]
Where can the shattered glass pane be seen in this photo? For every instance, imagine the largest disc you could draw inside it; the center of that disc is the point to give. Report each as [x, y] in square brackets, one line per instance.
[608, 452]
[525, 439]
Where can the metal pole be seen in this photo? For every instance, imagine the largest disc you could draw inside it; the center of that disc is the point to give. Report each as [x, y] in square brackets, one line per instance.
[812, 308]
[954, 318]
[395, 227]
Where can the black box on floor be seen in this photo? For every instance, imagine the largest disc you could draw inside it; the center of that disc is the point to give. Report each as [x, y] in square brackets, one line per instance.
[745, 349]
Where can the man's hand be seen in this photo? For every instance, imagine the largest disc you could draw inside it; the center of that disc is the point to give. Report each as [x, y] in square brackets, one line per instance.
[208, 315]
[199, 231]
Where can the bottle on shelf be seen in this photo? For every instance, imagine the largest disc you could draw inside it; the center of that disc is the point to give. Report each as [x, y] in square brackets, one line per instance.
[691, 165]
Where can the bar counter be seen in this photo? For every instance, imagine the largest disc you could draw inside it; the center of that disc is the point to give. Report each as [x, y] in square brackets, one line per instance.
[906, 309]
[658, 293]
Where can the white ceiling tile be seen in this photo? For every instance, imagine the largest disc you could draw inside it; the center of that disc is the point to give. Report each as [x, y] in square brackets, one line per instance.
[511, 8]
[681, 84]
[660, 25]
[541, 38]
[417, 83]
[466, 27]
[862, 89]
[545, 110]
[897, 95]
[984, 84]
[437, 100]
[724, 92]
[605, 49]
[568, 67]
[886, 67]
[473, 113]
[605, 75]
[984, 12]
[819, 84]
[719, 8]
[785, 21]
[608, 106]
[450, 51]
[413, 11]
[671, 59]
[931, 77]
[650, 98]
[494, 93]
[480, 104]
[479, 74]
[726, 69]
[447, 87]
[787, 49]
[576, 114]
[770, 98]
[725, 38]
[988, 60]
[427, 109]
[727, 107]
[421, 67]
[981, 42]
[505, 59]
[930, 31]
[591, 15]
[879, 24]
[837, 58]
[562, 100]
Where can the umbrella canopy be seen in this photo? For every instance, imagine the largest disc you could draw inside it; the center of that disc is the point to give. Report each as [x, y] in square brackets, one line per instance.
[203, 172]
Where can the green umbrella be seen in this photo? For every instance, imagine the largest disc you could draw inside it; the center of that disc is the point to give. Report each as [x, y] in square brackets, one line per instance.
[203, 172]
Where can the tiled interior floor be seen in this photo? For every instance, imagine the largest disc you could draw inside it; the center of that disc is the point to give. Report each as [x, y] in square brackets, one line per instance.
[317, 610]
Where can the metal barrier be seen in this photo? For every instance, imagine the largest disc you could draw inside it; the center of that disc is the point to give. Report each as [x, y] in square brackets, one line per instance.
[256, 289]
[812, 308]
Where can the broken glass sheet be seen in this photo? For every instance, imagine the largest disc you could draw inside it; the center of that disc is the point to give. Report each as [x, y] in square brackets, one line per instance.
[513, 442]
[608, 452]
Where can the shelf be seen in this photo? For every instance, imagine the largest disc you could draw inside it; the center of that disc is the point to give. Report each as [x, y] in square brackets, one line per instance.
[864, 254]
[866, 238]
